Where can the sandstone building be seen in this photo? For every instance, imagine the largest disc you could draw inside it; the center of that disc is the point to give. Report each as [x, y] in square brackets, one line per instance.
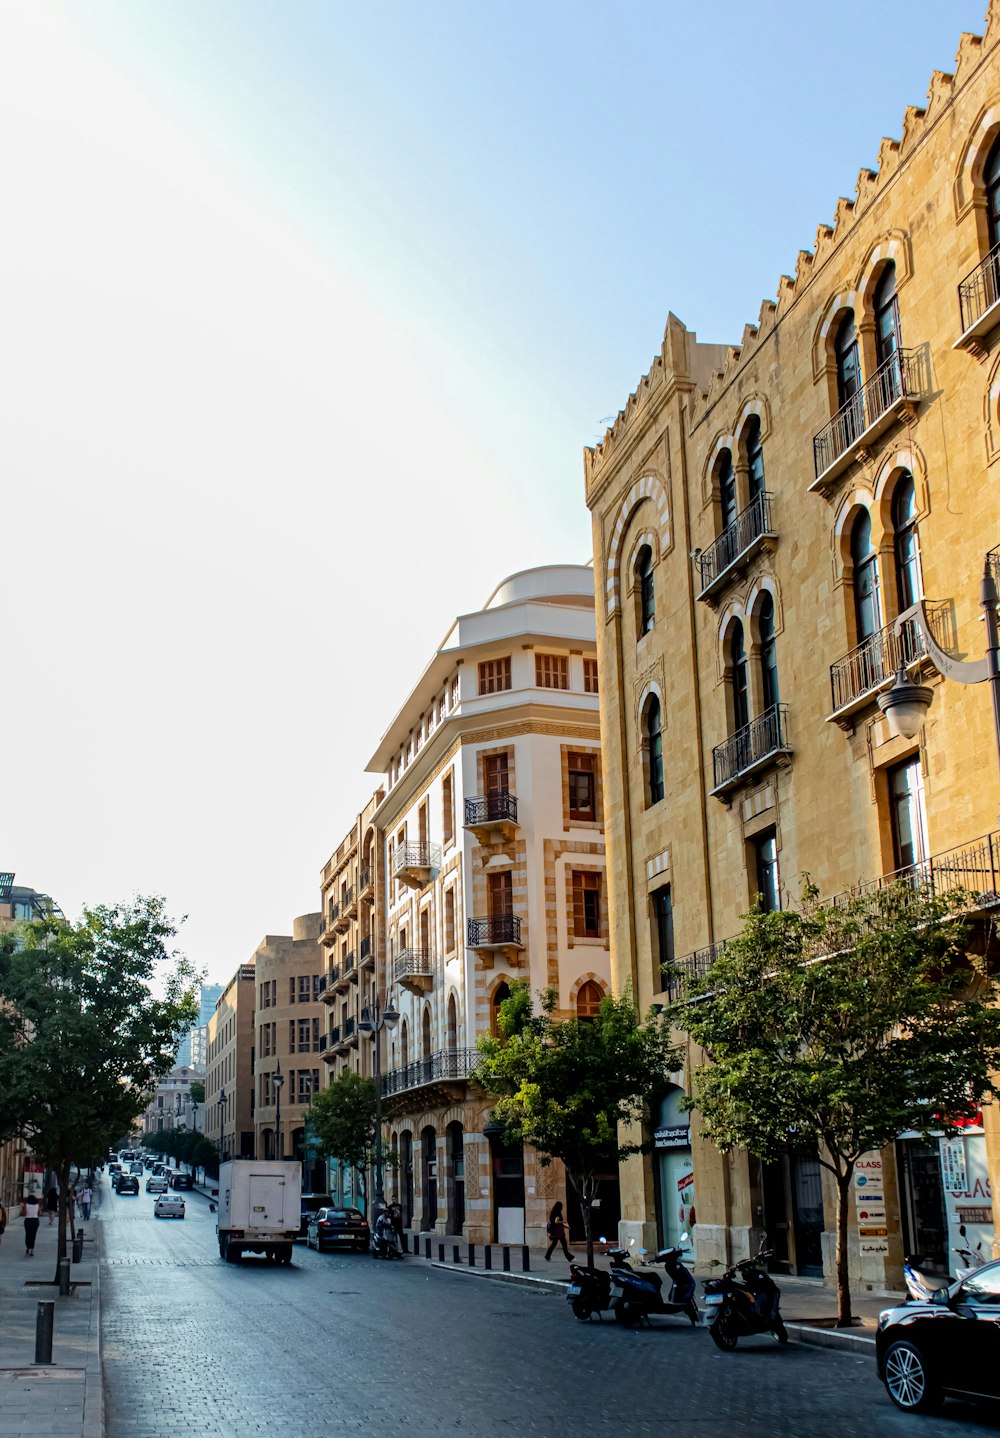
[762, 513]
[288, 1026]
[230, 1099]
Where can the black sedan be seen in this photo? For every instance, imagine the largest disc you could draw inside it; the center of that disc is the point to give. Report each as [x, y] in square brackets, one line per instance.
[947, 1347]
[128, 1183]
[337, 1228]
[181, 1180]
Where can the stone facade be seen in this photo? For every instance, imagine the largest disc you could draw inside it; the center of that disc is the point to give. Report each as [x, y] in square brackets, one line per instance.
[230, 1067]
[777, 503]
[288, 1028]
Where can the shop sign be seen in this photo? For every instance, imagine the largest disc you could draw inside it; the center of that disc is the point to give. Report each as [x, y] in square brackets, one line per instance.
[967, 1214]
[874, 1246]
[678, 1136]
[953, 1169]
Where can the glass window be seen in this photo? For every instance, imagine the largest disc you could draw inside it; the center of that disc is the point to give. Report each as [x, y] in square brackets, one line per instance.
[582, 785]
[982, 1288]
[663, 917]
[755, 459]
[909, 815]
[647, 598]
[848, 362]
[738, 671]
[886, 315]
[767, 875]
[727, 489]
[587, 904]
[904, 523]
[991, 179]
[654, 744]
[768, 652]
[867, 609]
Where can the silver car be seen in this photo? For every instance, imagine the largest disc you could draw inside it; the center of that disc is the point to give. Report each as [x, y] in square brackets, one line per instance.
[168, 1205]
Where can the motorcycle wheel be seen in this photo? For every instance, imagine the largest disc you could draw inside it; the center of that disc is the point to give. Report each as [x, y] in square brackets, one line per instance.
[780, 1331]
[722, 1336]
[691, 1309]
[625, 1314]
[581, 1310]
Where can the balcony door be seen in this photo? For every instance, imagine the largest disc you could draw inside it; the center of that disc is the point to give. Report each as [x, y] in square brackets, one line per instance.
[501, 904]
[849, 380]
[495, 775]
[909, 814]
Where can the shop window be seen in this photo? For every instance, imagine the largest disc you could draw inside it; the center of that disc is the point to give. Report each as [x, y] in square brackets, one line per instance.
[582, 777]
[586, 904]
[494, 676]
[552, 671]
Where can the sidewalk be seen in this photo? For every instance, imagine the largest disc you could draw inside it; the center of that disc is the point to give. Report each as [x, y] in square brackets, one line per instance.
[64, 1400]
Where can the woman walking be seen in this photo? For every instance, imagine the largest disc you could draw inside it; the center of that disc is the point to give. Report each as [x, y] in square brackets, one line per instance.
[556, 1230]
[32, 1211]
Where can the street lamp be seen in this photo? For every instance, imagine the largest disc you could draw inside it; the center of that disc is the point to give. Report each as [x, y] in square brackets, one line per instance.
[374, 1018]
[905, 705]
[277, 1079]
[306, 1082]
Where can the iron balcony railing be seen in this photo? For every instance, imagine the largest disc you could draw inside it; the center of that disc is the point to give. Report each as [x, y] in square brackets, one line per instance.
[692, 967]
[896, 377]
[750, 524]
[347, 963]
[876, 659]
[750, 746]
[446, 1064]
[503, 929]
[333, 915]
[349, 1027]
[491, 809]
[416, 856]
[346, 900]
[324, 1039]
[980, 290]
[332, 975]
[321, 984]
[364, 879]
[334, 1037]
[412, 964]
[366, 948]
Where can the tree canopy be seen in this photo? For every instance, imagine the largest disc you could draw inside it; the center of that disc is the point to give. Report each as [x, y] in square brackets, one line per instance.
[839, 1026]
[342, 1120]
[572, 1087]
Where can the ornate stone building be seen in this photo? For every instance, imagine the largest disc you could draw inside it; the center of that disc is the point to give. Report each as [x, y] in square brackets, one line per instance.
[229, 1076]
[762, 514]
[288, 1027]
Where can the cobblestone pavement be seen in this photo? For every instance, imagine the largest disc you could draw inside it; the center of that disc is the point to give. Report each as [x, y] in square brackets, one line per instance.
[338, 1344]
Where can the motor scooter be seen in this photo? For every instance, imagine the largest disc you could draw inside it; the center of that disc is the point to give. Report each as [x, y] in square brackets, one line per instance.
[642, 1293]
[384, 1243]
[922, 1282]
[745, 1300]
[589, 1289]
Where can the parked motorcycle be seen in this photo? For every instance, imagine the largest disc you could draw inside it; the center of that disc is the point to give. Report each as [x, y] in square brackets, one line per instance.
[589, 1289]
[745, 1300]
[384, 1242]
[922, 1283]
[642, 1292]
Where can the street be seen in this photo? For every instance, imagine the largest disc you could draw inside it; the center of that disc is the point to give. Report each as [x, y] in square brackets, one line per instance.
[340, 1344]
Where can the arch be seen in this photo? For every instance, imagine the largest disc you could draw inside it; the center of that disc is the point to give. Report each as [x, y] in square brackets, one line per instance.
[972, 160]
[721, 443]
[588, 978]
[647, 488]
[826, 331]
[426, 1038]
[754, 407]
[908, 457]
[499, 992]
[862, 498]
[451, 1024]
[651, 739]
[892, 248]
[645, 590]
[645, 539]
[588, 999]
[404, 1043]
[764, 584]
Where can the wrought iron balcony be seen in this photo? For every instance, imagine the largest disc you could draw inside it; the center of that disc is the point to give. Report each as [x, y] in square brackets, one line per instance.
[979, 303]
[342, 921]
[500, 932]
[856, 678]
[413, 863]
[448, 1065]
[736, 545]
[743, 753]
[413, 969]
[334, 1037]
[692, 968]
[349, 966]
[350, 1031]
[330, 981]
[331, 923]
[896, 384]
[366, 954]
[365, 883]
[489, 811]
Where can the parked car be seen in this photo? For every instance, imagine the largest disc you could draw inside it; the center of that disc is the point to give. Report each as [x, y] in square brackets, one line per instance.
[181, 1180]
[128, 1183]
[311, 1203]
[946, 1347]
[337, 1228]
[159, 1168]
[168, 1205]
[156, 1185]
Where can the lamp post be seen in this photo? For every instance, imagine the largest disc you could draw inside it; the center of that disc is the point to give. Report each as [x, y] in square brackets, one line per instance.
[374, 1018]
[905, 705]
[306, 1082]
[223, 1101]
[277, 1079]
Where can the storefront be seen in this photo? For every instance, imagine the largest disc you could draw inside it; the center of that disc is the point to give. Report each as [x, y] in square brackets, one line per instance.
[944, 1185]
[673, 1172]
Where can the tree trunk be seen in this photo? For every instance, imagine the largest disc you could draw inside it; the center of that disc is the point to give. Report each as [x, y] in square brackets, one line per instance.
[61, 1247]
[844, 1316]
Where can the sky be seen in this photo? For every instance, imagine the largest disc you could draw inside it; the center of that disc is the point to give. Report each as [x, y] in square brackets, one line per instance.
[307, 313]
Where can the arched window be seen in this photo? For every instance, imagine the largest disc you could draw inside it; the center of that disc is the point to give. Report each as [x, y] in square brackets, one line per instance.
[848, 362]
[588, 1000]
[727, 489]
[654, 747]
[738, 678]
[991, 182]
[909, 585]
[768, 652]
[404, 1043]
[647, 598]
[867, 609]
[501, 992]
[427, 1032]
[452, 1024]
[755, 459]
[887, 338]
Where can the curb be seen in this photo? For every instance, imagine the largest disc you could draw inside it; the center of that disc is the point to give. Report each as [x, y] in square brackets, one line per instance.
[93, 1400]
[527, 1280]
[854, 1343]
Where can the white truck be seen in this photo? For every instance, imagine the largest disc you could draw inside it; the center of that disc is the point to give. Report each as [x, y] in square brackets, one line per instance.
[259, 1208]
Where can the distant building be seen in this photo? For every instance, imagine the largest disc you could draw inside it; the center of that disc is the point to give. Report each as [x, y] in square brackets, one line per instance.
[191, 1050]
[171, 1105]
[229, 1080]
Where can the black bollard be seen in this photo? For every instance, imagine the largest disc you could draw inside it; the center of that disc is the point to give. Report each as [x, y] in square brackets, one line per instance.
[506, 1259]
[44, 1319]
[440, 1253]
[472, 1255]
[525, 1259]
[487, 1255]
[427, 1248]
[62, 1269]
[455, 1256]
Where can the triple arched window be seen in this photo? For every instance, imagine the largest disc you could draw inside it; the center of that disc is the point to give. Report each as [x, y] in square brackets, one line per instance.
[865, 561]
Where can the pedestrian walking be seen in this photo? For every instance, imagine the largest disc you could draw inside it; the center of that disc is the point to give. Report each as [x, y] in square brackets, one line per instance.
[52, 1204]
[85, 1197]
[31, 1211]
[556, 1230]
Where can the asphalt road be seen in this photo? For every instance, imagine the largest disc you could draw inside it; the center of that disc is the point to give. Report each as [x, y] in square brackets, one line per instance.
[340, 1344]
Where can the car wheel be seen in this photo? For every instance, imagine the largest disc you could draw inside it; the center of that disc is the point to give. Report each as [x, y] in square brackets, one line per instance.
[906, 1379]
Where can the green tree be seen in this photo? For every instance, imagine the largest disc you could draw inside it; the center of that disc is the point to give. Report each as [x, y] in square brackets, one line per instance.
[342, 1120]
[842, 1026]
[198, 1092]
[572, 1088]
[83, 1036]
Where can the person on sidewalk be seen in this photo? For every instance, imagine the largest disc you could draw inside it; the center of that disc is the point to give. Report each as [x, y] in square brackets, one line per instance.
[85, 1197]
[32, 1211]
[52, 1204]
[3, 1219]
[556, 1230]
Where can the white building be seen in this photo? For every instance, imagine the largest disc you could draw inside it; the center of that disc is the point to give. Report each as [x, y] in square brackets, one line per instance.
[492, 834]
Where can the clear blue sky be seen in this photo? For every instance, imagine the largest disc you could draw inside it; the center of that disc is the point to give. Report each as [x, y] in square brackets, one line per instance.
[310, 310]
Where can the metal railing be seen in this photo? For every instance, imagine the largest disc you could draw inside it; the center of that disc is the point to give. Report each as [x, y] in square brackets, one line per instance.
[346, 900]
[896, 377]
[446, 1064]
[767, 734]
[347, 963]
[491, 809]
[349, 1026]
[412, 964]
[364, 879]
[320, 985]
[334, 1036]
[416, 856]
[366, 948]
[332, 975]
[323, 1041]
[333, 915]
[980, 290]
[876, 659]
[503, 929]
[751, 524]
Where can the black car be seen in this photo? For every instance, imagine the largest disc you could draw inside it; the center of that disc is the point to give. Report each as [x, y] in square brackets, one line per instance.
[947, 1347]
[309, 1204]
[181, 1180]
[337, 1228]
[128, 1183]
